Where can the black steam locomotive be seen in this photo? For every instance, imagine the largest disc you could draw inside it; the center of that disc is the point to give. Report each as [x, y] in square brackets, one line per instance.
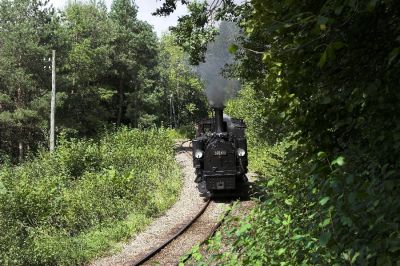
[220, 154]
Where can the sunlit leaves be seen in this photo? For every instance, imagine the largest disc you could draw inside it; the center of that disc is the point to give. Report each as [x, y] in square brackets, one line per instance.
[193, 32]
[233, 48]
[181, 85]
[339, 161]
[393, 55]
[66, 208]
[322, 21]
[324, 200]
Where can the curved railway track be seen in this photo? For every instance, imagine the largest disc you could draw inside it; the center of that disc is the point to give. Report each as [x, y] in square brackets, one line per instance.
[182, 229]
[158, 249]
[204, 224]
[199, 224]
[181, 234]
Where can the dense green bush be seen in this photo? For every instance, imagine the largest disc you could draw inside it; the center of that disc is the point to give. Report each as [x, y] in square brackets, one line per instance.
[330, 72]
[67, 207]
[339, 61]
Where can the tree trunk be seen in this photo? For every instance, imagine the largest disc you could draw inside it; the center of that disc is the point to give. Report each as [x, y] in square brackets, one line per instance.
[120, 101]
[19, 104]
[53, 101]
[136, 105]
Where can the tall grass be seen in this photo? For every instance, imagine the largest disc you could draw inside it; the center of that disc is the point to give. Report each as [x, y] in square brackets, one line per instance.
[70, 206]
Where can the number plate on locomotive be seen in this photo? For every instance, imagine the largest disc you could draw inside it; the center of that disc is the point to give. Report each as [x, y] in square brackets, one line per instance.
[219, 153]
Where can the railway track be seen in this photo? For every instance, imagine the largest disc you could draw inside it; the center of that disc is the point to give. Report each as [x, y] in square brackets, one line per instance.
[158, 249]
[170, 250]
[166, 242]
[202, 226]
[156, 256]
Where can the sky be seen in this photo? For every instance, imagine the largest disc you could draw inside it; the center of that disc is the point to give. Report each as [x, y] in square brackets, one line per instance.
[145, 8]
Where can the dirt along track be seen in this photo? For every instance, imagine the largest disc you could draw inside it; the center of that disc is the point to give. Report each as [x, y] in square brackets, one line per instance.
[161, 229]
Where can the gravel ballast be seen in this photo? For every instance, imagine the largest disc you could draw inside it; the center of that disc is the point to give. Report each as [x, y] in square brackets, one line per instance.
[196, 234]
[187, 206]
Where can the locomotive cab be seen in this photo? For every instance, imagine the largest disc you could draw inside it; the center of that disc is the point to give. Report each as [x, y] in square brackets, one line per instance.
[220, 153]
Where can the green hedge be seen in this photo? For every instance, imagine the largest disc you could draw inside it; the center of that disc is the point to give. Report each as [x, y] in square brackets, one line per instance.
[68, 207]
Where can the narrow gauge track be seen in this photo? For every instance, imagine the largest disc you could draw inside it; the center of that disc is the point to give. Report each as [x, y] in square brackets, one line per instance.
[181, 233]
[159, 249]
[155, 251]
[160, 255]
[211, 234]
[165, 227]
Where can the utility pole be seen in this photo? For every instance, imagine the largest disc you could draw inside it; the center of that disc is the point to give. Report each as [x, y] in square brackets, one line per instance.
[53, 101]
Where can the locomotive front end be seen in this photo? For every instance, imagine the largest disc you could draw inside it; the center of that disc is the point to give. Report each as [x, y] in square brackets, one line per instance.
[220, 165]
[220, 153]
[220, 160]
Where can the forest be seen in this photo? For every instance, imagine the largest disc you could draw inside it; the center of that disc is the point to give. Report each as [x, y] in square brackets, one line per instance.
[319, 93]
[112, 70]
[119, 87]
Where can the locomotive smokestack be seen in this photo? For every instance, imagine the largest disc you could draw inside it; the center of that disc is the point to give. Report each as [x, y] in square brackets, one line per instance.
[219, 120]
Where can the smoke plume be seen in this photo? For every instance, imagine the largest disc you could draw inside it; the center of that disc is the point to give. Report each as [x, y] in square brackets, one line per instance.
[219, 88]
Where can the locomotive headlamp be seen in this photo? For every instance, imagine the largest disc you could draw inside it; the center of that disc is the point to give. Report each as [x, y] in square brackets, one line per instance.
[198, 154]
[241, 152]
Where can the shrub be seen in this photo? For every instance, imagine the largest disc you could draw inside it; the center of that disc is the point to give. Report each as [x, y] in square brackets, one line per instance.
[69, 206]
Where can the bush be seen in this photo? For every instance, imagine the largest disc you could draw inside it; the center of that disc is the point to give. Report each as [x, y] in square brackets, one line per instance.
[334, 199]
[67, 207]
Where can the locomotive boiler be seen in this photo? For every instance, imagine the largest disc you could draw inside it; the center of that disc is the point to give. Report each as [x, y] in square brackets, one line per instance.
[220, 154]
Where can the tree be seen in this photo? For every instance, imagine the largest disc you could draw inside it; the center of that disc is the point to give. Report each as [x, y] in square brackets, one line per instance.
[183, 92]
[24, 79]
[195, 30]
[339, 62]
[332, 69]
[123, 13]
[85, 50]
[134, 57]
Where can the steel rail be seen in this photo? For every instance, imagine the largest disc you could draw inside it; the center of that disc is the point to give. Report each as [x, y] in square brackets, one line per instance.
[152, 253]
[211, 234]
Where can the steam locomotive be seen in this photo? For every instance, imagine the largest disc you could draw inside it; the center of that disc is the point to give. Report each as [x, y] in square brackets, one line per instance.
[220, 155]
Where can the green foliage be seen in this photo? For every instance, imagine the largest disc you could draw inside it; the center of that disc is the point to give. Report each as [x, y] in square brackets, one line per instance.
[67, 207]
[25, 27]
[183, 99]
[108, 67]
[83, 57]
[345, 102]
[195, 25]
[110, 70]
[255, 107]
[134, 63]
[197, 29]
[331, 70]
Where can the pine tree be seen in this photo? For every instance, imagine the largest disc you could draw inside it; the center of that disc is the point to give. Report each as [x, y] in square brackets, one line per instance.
[24, 78]
[134, 60]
